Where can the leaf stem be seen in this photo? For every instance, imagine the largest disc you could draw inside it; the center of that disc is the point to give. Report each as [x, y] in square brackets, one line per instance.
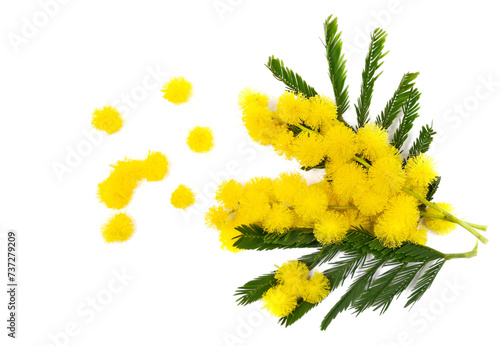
[444, 217]
[469, 254]
[446, 213]
[362, 161]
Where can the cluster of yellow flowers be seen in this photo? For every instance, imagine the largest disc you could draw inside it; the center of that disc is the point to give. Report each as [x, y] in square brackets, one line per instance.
[116, 191]
[294, 282]
[362, 186]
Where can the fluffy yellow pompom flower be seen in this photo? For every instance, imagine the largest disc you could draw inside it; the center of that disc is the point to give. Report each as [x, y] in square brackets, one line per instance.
[315, 289]
[261, 184]
[368, 201]
[226, 237]
[438, 226]
[182, 197]
[177, 90]
[310, 203]
[259, 122]
[397, 222]
[373, 141]
[292, 107]
[331, 228]
[420, 171]
[229, 193]
[418, 236]
[279, 219]
[217, 217]
[278, 301]
[200, 139]
[107, 119]
[357, 219]
[155, 166]
[283, 143]
[308, 149]
[340, 143]
[321, 110]
[254, 206]
[118, 228]
[285, 187]
[387, 175]
[347, 179]
[292, 275]
[249, 97]
[116, 190]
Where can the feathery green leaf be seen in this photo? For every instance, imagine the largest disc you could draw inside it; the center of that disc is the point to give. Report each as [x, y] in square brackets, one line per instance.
[253, 290]
[336, 65]
[393, 106]
[425, 282]
[292, 80]
[423, 142]
[410, 113]
[433, 187]
[372, 64]
[355, 290]
[254, 237]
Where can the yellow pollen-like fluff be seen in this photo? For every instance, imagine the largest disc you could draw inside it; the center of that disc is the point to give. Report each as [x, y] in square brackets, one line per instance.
[177, 90]
[310, 203]
[292, 275]
[279, 219]
[217, 217]
[309, 149]
[373, 141]
[249, 97]
[398, 221]
[229, 194]
[286, 186]
[200, 139]
[387, 175]
[315, 289]
[182, 197]
[340, 143]
[118, 228]
[279, 301]
[420, 171]
[291, 107]
[107, 119]
[331, 228]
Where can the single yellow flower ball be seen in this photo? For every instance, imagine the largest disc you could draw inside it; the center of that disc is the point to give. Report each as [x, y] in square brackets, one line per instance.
[182, 197]
[118, 228]
[177, 90]
[279, 301]
[200, 139]
[107, 119]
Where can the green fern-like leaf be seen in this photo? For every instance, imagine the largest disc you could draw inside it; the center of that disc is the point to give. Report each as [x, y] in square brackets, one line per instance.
[336, 65]
[254, 237]
[292, 80]
[425, 282]
[423, 142]
[432, 189]
[372, 64]
[355, 290]
[253, 290]
[410, 114]
[394, 105]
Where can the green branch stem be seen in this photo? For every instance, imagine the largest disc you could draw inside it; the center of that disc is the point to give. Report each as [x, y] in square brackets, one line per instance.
[469, 254]
[444, 217]
[449, 216]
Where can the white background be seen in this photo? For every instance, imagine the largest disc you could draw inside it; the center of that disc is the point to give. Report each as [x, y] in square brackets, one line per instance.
[89, 53]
